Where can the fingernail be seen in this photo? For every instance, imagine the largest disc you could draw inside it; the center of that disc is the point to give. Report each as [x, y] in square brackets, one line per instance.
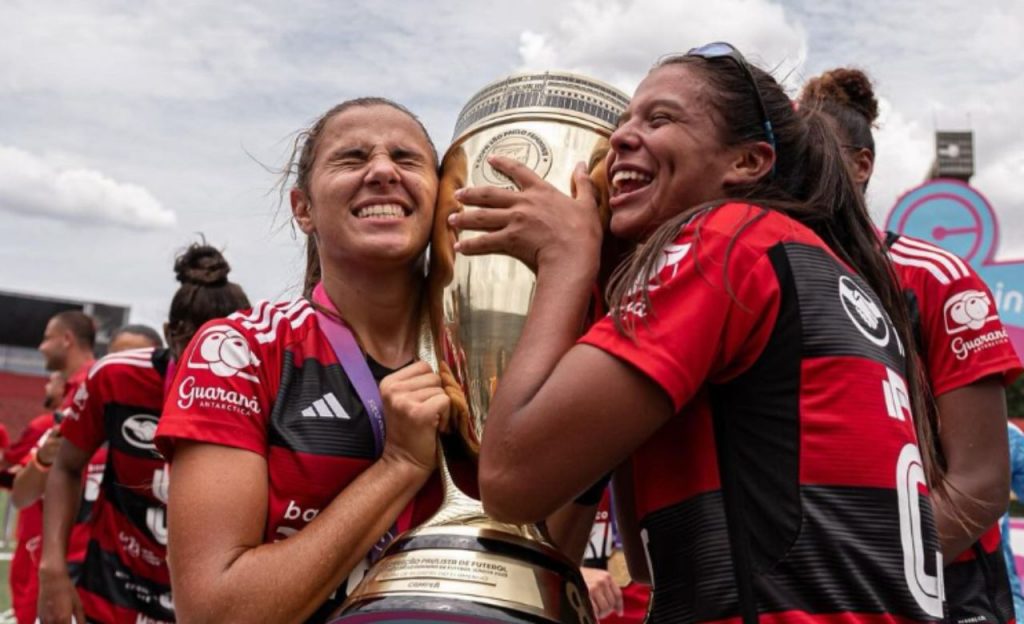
[458, 192]
[457, 247]
[453, 217]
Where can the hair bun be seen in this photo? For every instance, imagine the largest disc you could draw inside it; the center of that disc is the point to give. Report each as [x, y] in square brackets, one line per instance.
[847, 86]
[201, 265]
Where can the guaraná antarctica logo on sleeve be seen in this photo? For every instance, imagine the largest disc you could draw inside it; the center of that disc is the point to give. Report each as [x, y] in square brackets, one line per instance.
[957, 218]
[224, 351]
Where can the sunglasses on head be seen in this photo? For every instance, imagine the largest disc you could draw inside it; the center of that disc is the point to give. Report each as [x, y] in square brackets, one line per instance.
[721, 49]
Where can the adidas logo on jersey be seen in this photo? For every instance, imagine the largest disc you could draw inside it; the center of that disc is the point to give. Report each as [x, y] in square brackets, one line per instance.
[326, 406]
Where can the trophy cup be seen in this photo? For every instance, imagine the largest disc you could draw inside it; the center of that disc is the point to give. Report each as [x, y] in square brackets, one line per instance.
[461, 566]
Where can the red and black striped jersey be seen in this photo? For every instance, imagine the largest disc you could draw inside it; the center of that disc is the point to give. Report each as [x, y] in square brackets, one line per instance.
[267, 380]
[961, 341]
[124, 576]
[789, 486]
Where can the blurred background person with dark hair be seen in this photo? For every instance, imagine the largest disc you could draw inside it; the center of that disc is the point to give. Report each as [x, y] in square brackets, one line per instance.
[124, 576]
[969, 401]
[134, 337]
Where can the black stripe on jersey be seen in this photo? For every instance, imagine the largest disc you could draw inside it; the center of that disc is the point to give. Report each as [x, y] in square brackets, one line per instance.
[131, 429]
[756, 419]
[830, 328]
[103, 574]
[301, 386]
[848, 558]
[145, 512]
[978, 590]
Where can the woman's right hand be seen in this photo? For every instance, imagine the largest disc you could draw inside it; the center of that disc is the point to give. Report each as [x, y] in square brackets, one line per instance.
[58, 601]
[538, 225]
[415, 409]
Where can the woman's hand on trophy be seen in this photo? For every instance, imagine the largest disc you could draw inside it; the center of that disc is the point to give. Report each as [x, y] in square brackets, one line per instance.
[605, 595]
[538, 225]
[416, 407]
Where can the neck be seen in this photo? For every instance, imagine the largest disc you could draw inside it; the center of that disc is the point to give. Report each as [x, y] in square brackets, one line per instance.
[382, 308]
[76, 359]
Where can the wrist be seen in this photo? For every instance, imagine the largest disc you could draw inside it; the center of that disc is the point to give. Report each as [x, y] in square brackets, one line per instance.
[39, 464]
[53, 568]
[405, 466]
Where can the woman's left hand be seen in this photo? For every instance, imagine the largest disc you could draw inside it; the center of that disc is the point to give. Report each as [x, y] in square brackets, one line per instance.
[538, 225]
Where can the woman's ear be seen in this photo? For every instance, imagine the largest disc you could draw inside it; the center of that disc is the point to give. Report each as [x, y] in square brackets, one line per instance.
[751, 162]
[302, 210]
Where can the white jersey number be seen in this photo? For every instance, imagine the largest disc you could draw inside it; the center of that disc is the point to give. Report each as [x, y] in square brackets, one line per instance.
[927, 589]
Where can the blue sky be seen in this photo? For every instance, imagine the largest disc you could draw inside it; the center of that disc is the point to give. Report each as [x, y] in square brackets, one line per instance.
[126, 127]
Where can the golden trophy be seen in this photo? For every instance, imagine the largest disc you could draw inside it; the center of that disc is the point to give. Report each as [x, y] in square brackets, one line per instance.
[461, 566]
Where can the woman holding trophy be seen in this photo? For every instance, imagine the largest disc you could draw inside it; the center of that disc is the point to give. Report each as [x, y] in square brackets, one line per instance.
[750, 386]
[283, 478]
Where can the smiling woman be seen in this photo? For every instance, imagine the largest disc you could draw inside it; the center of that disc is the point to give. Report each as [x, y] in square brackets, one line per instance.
[282, 469]
[763, 437]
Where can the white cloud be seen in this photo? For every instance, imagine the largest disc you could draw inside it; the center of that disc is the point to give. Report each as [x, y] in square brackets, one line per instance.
[1000, 183]
[31, 186]
[619, 41]
[904, 151]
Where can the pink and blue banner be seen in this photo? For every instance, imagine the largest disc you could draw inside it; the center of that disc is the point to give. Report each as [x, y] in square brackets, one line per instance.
[958, 218]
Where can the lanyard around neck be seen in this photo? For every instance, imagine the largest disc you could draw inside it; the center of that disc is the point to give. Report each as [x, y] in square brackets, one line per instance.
[352, 361]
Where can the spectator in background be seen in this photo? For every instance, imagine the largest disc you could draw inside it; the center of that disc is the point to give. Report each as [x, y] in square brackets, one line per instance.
[67, 346]
[124, 576]
[30, 480]
[1017, 486]
[134, 337]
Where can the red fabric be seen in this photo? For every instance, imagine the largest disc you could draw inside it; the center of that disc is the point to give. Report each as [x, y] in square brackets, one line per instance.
[119, 405]
[226, 390]
[964, 339]
[713, 307]
[635, 597]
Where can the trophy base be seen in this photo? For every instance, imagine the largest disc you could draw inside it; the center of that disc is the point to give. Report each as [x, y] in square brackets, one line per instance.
[469, 574]
[432, 610]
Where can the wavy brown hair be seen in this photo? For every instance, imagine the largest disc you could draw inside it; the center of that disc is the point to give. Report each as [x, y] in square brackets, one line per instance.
[810, 183]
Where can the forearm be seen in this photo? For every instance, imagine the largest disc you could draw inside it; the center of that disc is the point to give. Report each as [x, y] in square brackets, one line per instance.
[29, 484]
[569, 528]
[63, 494]
[975, 503]
[250, 586]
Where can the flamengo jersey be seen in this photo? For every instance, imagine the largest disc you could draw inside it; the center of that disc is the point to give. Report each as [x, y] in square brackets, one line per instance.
[266, 380]
[961, 342]
[788, 486]
[124, 576]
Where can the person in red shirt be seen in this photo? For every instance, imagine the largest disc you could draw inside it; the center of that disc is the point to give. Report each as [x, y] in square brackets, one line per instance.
[124, 575]
[952, 309]
[750, 385]
[67, 348]
[288, 404]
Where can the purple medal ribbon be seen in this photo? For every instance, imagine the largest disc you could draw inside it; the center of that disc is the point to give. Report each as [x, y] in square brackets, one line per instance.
[353, 362]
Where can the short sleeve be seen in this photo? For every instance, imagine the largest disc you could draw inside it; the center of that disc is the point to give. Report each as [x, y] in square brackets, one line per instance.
[83, 411]
[713, 302]
[220, 393]
[965, 340]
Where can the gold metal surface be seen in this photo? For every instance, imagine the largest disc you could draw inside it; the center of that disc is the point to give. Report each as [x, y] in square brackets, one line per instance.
[472, 320]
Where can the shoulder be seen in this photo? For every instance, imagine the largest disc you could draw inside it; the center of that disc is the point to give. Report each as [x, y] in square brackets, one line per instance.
[268, 322]
[122, 363]
[754, 225]
[240, 343]
[922, 262]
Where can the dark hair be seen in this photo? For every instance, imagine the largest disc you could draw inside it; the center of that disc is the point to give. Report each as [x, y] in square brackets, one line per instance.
[205, 293]
[81, 325]
[846, 95]
[302, 158]
[810, 184]
[145, 331]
